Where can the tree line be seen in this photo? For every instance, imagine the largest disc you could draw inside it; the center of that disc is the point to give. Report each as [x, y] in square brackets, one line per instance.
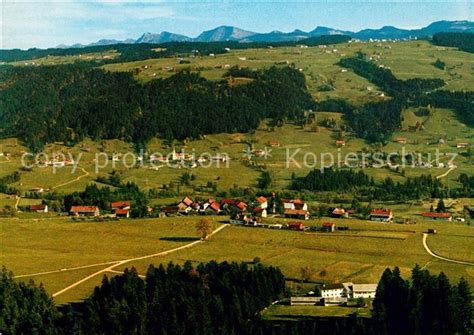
[142, 51]
[227, 298]
[212, 298]
[358, 182]
[462, 41]
[70, 102]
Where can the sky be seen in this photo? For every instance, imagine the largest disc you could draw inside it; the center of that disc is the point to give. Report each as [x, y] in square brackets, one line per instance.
[48, 23]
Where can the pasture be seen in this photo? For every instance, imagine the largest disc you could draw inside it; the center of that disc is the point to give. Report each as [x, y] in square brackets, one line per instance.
[59, 252]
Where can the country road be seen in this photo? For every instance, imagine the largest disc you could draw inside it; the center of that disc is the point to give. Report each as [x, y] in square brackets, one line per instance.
[72, 181]
[446, 173]
[121, 262]
[425, 244]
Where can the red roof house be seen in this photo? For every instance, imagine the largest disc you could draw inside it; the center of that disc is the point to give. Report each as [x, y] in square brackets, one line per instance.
[381, 215]
[39, 208]
[85, 211]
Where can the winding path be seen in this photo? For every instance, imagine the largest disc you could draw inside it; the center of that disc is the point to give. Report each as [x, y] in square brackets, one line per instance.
[72, 181]
[428, 250]
[446, 173]
[124, 261]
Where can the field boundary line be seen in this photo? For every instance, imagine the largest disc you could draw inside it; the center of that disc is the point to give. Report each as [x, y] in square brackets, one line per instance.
[121, 262]
[425, 244]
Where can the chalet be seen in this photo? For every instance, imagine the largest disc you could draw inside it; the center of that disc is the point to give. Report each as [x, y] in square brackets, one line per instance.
[339, 213]
[37, 190]
[340, 143]
[295, 225]
[295, 209]
[329, 227]
[333, 291]
[294, 204]
[401, 140]
[297, 214]
[462, 145]
[438, 216]
[84, 211]
[122, 213]
[381, 215]
[274, 144]
[169, 210]
[121, 209]
[233, 205]
[39, 208]
[260, 206]
[185, 205]
[213, 207]
[363, 291]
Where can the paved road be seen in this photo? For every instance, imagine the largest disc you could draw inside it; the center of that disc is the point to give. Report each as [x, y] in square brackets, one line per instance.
[425, 237]
[121, 262]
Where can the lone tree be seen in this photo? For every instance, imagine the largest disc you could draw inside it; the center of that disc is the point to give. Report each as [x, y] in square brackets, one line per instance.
[204, 228]
[441, 208]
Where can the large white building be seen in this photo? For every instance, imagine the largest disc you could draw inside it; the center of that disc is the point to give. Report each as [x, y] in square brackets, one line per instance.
[333, 291]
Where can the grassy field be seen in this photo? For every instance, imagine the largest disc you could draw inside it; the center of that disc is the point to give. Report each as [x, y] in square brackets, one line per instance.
[302, 145]
[406, 59]
[359, 255]
[285, 312]
[57, 60]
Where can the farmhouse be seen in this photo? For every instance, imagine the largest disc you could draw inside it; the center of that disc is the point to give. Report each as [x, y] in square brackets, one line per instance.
[84, 211]
[381, 215]
[295, 225]
[340, 143]
[462, 145]
[329, 227]
[39, 208]
[233, 205]
[121, 208]
[333, 291]
[438, 216]
[339, 213]
[296, 209]
[37, 190]
[260, 206]
[363, 291]
[401, 140]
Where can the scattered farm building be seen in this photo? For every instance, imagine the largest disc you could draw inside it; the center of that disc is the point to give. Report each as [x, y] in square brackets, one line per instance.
[438, 216]
[39, 208]
[381, 215]
[85, 211]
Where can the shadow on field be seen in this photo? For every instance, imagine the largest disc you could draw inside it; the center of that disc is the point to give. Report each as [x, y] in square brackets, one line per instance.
[180, 239]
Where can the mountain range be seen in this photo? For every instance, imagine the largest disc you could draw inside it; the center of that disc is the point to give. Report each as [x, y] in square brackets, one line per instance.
[229, 33]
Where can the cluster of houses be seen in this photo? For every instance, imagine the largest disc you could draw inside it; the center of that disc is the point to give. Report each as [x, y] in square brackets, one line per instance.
[337, 294]
[234, 207]
[120, 209]
[184, 158]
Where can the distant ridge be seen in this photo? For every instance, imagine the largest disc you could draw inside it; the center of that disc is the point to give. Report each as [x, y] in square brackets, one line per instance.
[230, 33]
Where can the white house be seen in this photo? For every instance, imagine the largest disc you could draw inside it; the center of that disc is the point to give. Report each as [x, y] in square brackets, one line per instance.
[363, 291]
[333, 291]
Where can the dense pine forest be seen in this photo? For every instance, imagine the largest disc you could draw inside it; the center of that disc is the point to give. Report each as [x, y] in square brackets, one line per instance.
[68, 103]
[226, 298]
[462, 41]
[358, 182]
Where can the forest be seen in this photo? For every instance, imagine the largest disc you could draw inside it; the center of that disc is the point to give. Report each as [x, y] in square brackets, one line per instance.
[375, 122]
[67, 103]
[462, 41]
[226, 298]
[358, 182]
